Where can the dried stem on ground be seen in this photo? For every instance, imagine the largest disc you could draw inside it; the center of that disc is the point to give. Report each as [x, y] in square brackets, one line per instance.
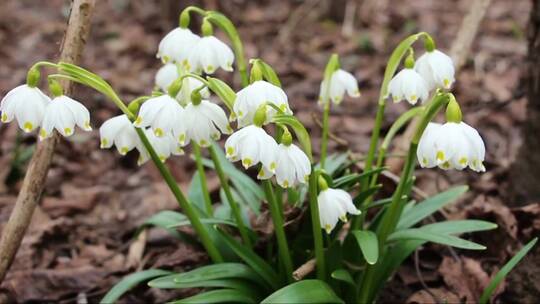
[459, 52]
[77, 31]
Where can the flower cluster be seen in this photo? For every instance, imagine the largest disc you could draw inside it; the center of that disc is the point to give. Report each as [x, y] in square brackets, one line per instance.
[32, 109]
[195, 53]
[431, 71]
[451, 146]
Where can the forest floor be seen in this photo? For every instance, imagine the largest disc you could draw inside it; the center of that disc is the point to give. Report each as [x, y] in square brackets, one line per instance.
[81, 240]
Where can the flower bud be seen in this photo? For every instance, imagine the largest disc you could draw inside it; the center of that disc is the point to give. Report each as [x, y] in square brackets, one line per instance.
[260, 115]
[323, 185]
[453, 111]
[256, 72]
[55, 88]
[32, 78]
[206, 28]
[184, 19]
[286, 138]
[429, 44]
[196, 97]
[174, 88]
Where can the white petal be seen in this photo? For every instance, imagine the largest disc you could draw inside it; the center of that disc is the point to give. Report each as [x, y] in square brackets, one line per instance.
[177, 45]
[166, 75]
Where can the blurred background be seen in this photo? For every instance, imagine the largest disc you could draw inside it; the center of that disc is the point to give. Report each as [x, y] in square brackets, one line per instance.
[81, 238]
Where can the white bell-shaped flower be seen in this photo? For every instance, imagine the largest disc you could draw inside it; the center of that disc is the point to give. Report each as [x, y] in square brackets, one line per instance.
[164, 115]
[209, 54]
[205, 122]
[451, 146]
[340, 82]
[408, 85]
[177, 45]
[252, 145]
[254, 95]
[119, 131]
[169, 73]
[62, 114]
[334, 204]
[292, 166]
[25, 104]
[436, 68]
[165, 146]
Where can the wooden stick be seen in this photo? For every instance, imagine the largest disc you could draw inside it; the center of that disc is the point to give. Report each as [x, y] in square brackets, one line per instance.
[459, 52]
[78, 27]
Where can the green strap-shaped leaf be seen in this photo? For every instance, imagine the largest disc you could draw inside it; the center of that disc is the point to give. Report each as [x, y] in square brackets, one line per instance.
[460, 226]
[269, 74]
[209, 221]
[252, 259]
[306, 292]
[211, 272]
[131, 281]
[421, 234]
[244, 286]
[301, 133]
[223, 91]
[429, 206]
[344, 276]
[218, 296]
[505, 270]
[369, 245]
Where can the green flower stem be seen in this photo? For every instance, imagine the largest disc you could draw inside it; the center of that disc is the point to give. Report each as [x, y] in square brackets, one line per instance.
[316, 227]
[89, 79]
[393, 63]
[232, 202]
[325, 130]
[277, 220]
[391, 216]
[228, 27]
[188, 210]
[202, 177]
[396, 126]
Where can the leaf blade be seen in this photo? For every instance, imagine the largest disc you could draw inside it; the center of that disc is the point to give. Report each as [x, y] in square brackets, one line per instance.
[369, 245]
[127, 283]
[306, 291]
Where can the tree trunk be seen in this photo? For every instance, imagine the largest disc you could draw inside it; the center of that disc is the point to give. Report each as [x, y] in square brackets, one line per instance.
[524, 281]
[525, 172]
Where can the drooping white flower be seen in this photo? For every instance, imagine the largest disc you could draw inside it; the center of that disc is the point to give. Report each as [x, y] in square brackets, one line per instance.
[436, 68]
[205, 122]
[25, 104]
[165, 146]
[451, 146]
[209, 54]
[340, 82]
[252, 145]
[177, 45]
[251, 97]
[409, 85]
[292, 166]
[163, 115]
[169, 73]
[62, 114]
[334, 204]
[119, 131]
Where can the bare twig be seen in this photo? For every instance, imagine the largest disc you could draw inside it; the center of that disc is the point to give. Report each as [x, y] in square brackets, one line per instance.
[304, 270]
[77, 31]
[459, 52]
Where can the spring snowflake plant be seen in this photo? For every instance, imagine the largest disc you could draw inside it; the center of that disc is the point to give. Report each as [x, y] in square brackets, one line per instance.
[353, 254]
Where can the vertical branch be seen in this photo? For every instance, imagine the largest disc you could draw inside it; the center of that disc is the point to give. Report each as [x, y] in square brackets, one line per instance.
[77, 31]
